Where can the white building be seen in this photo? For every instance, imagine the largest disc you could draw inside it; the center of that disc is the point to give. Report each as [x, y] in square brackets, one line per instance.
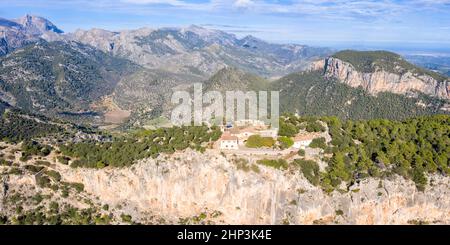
[228, 142]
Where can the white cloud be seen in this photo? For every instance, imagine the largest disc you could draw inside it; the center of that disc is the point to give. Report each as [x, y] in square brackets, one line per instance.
[174, 3]
[436, 2]
[243, 3]
[364, 10]
[170, 2]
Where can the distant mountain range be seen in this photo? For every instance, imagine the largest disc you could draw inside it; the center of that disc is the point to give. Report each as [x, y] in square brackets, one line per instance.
[193, 50]
[45, 70]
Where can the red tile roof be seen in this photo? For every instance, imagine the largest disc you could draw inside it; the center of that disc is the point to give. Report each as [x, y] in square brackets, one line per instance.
[228, 136]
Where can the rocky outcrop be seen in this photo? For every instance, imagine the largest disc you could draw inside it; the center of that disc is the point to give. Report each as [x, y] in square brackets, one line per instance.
[383, 81]
[189, 183]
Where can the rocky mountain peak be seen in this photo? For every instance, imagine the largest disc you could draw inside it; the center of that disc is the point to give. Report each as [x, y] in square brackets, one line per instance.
[28, 29]
[37, 24]
[25, 20]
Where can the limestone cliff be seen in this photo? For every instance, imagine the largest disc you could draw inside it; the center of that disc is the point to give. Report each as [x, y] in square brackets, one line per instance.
[397, 77]
[189, 183]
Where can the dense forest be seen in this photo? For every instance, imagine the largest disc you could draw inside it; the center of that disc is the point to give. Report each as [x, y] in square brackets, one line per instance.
[309, 93]
[148, 143]
[378, 148]
[60, 76]
[15, 127]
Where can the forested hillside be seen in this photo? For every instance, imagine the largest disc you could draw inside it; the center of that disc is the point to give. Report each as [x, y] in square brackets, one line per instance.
[310, 93]
[59, 77]
[233, 79]
[126, 150]
[378, 148]
[16, 127]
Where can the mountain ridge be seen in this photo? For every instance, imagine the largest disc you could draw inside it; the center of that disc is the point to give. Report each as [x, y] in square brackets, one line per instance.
[181, 49]
[19, 32]
[58, 77]
[165, 59]
[383, 71]
[311, 93]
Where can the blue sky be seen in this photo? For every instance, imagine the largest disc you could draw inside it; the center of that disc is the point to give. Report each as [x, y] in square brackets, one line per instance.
[401, 23]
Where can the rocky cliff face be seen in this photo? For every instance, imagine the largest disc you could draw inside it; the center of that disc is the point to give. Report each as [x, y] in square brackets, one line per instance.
[189, 183]
[27, 29]
[380, 80]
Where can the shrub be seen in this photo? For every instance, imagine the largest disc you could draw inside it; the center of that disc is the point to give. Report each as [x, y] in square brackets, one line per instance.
[54, 206]
[100, 164]
[287, 129]
[310, 170]
[278, 164]
[285, 142]
[315, 126]
[242, 164]
[34, 169]
[126, 218]
[301, 152]
[43, 163]
[256, 141]
[25, 158]
[42, 181]
[318, 143]
[65, 193]
[4, 162]
[38, 198]
[30, 148]
[78, 186]
[420, 179]
[15, 171]
[54, 175]
[254, 168]
[63, 159]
